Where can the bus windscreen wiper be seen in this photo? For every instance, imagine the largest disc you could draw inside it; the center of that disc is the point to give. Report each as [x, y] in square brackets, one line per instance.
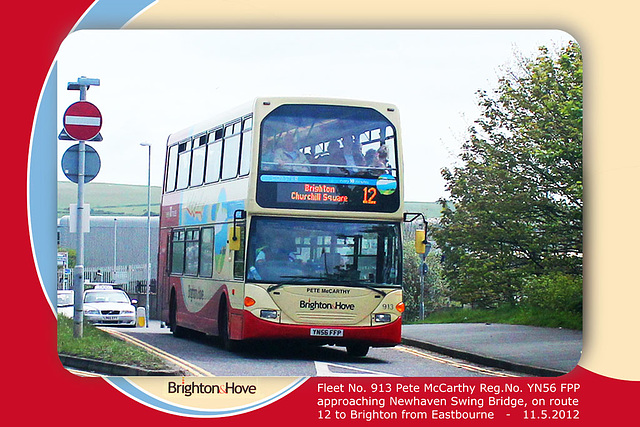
[362, 284]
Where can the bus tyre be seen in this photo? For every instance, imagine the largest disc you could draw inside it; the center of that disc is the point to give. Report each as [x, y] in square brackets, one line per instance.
[357, 350]
[178, 331]
[223, 328]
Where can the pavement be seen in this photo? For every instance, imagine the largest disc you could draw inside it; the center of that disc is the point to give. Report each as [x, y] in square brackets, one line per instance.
[529, 350]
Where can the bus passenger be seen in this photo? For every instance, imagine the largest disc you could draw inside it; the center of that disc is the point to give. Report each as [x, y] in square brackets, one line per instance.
[289, 157]
[352, 153]
[383, 157]
[334, 159]
[371, 157]
[373, 160]
[268, 148]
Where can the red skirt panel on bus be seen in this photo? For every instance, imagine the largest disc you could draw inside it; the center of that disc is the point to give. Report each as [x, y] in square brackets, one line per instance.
[377, 336]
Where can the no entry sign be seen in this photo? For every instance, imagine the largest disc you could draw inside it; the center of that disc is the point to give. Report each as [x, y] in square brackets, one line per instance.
[82, 121]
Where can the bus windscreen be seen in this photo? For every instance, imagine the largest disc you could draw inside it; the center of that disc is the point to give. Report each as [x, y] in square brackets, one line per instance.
[328, 252]
[328, 157]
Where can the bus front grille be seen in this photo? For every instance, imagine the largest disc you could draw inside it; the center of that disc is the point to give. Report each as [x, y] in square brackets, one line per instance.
[326, 318]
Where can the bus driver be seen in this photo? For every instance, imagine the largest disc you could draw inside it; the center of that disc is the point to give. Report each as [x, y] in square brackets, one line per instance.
[274, 254]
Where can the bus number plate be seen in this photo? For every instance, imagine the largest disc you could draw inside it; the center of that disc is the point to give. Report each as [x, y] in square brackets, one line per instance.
[315, 332]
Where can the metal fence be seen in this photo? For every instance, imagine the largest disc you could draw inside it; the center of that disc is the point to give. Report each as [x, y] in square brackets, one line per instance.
[131, 278]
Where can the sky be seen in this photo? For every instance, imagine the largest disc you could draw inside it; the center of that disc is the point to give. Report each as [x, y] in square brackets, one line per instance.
[156, 82]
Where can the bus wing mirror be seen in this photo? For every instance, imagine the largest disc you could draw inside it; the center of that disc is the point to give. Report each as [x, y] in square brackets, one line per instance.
[421, 245]
[235, 231]
[234, 238]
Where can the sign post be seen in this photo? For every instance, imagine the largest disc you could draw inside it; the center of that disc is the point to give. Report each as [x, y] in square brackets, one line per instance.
[82, 121]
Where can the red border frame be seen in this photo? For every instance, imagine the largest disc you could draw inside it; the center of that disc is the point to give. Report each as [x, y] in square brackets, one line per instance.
[38, 388]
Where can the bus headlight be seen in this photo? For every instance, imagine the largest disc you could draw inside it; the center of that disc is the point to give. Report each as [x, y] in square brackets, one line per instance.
[382, 318]
[269, 314]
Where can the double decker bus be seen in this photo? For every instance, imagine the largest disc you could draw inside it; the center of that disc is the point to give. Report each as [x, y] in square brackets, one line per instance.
[281, 220]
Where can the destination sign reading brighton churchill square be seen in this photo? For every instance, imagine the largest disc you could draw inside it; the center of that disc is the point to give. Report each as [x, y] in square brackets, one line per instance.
[344, 193]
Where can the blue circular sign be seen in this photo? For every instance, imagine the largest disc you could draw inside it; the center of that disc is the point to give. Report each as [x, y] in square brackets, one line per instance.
[70, 163]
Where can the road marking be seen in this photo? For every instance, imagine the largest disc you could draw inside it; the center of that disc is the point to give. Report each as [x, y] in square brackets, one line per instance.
[324, 370]
[84, 373]
[183, 364]
[454, 363]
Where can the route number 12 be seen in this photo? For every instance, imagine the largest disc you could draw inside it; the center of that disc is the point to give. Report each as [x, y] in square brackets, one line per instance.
[370, 194]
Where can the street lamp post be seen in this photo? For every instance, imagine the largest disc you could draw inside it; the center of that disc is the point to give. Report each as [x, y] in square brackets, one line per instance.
[115, 249]
[147, 290]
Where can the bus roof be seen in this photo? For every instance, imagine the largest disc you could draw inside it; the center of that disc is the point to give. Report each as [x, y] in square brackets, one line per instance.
[211, 122]
[248, 107]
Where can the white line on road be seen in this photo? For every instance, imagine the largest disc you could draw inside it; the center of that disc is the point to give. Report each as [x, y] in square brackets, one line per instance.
[324, 370]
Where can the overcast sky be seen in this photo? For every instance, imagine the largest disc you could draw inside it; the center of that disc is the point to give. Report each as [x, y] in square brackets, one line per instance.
[155, 82]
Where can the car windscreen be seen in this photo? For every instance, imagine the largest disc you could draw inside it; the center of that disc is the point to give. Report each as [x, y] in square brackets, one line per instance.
[106, 296]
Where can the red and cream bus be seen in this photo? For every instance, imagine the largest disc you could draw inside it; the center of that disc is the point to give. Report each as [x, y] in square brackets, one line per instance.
[281, 220]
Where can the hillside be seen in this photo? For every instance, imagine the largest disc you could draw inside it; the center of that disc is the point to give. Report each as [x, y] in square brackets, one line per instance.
[109, 199]
[131, 200]
[429, 209]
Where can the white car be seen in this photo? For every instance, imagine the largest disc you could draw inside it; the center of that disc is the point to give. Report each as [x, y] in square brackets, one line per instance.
[104, 305]
[65, 303]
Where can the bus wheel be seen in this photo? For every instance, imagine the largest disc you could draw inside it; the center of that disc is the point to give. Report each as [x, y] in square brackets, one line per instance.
[223, 327]
[357, 350]
[178, 331]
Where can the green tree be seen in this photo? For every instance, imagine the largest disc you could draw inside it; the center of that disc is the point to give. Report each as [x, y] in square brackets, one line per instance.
[436, 293]
[517, 195]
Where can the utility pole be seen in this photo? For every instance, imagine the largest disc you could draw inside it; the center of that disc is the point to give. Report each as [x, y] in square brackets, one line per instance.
[148, 287]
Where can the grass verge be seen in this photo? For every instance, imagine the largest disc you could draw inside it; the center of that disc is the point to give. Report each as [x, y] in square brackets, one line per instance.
[508, 315]
[99, 345]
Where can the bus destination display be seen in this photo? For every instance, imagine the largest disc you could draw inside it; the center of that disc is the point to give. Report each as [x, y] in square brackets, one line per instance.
[328, 193]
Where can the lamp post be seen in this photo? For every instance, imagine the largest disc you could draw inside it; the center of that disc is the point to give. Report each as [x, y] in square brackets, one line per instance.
[115, 249]
[147, 290]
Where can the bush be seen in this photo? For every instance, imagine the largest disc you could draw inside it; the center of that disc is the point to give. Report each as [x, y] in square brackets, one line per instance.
[555, 292]
[436, 291]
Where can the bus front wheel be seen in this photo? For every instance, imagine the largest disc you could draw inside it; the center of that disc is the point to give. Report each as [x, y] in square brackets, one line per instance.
[357, 350]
